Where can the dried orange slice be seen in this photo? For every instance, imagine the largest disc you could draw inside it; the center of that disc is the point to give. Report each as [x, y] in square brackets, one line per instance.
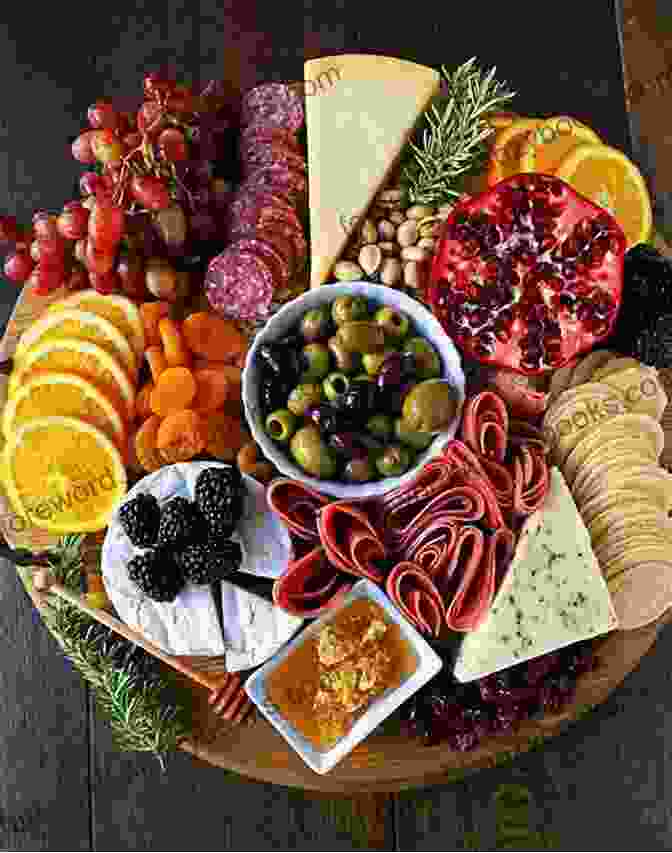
[609, 178]
[555, 138]
[88, 360]
[63, 475]
[83, 325]
[63, 394]
[115, 307]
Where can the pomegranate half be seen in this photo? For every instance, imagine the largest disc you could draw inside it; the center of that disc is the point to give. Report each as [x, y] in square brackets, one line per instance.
[528, 274]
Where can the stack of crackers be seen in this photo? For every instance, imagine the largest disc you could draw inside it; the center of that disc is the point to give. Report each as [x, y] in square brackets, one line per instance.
[603, 429]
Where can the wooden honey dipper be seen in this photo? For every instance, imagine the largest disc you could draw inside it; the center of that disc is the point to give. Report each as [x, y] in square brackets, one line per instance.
[228, 699]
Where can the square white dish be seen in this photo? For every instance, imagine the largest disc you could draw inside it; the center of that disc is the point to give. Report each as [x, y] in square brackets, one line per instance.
[428, 664]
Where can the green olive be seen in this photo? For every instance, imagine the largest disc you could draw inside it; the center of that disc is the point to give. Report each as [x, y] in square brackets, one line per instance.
[315, 324]
[359, 470]
[303, 397]
[345, 309]
[395, 323]
[361, 336]
[427, 361]
[281, 425]
[334, 385]
[416, 440]
[363, 377]
[430, 406]
[380, 426]
[317, 362]
[311, 453]
[394, 460]
[373, 361]
[345, 360]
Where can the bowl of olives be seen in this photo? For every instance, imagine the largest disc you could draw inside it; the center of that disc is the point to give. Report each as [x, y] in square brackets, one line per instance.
[350, 388]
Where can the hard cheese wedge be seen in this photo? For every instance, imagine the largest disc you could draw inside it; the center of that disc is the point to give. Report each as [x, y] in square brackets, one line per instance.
[357, 126]
[553, 595]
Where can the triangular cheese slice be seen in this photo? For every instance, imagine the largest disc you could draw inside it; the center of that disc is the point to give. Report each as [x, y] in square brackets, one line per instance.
[360, 112]
[552, 596]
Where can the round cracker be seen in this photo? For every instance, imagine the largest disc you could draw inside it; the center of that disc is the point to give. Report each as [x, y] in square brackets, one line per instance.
[650, 480]
[593, 452]
[642, 594]
[617, 504]
[590, 482]
[625, 529]
[584, 370]
[576, 413]
[640, 552]
[613, 365]
[640, 389]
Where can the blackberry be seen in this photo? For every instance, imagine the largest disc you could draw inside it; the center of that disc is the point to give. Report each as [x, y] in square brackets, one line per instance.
[180, 524]
[219, 497]
[201, 565]
[156, 574]
[139, 518]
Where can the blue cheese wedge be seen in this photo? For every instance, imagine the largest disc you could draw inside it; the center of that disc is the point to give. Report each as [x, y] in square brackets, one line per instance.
[552, 596]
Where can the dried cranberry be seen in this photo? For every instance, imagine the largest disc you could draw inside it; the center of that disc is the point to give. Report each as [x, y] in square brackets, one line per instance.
[534, 231]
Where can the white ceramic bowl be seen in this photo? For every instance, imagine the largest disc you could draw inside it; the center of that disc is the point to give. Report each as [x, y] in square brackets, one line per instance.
[424, 323]
[428, 664]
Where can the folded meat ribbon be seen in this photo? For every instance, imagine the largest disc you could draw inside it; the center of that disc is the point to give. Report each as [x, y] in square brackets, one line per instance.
[416, 596]
[350, 540]
[297, 506]
[310, 585]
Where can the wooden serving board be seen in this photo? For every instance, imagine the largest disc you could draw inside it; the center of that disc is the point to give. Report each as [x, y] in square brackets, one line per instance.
[385, 762]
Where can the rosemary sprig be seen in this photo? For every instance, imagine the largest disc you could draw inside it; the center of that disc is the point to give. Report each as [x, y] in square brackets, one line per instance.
[453, 134]
[146, 711]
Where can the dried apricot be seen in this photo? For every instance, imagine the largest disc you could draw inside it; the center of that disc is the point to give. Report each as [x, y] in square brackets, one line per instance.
[174, 390]
[174, 347]
[145, 444]
[250, 462]
[156, 360]
[212, 390]
[226, 435]
[142, 407]
[213, 337]
[182, 436]
[151, 313]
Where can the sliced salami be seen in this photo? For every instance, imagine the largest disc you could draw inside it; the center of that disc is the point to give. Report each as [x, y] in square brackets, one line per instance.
[276, 261]
[254, 134]
[240, 285]
[350, 540]
[249, 205]
[269, 155]
[273, 105]
[270, 226]
[278, 177]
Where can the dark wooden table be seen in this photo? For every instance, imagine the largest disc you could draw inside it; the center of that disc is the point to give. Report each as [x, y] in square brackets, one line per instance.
[601, 786]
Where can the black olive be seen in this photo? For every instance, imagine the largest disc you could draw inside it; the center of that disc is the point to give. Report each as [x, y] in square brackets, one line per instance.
[273, 393]
[281, 360]
[359, 401]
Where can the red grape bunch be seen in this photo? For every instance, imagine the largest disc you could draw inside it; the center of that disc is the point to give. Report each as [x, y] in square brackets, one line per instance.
[149, 196]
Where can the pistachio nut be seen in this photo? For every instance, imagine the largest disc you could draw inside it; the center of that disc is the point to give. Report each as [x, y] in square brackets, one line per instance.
[407, 233]
[347, 271]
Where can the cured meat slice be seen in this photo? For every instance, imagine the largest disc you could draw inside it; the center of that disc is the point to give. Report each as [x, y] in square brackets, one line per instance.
[431, 547]
[480, 579]
[291, 229]
[267, 252]
[267, 154]
[290, 181]
[531, 480]
[462, 503]
[465, 559]
[413, 592]
[273, 105]
[247, 207]
[310, 586]
[350, 540]
[298, 506]
[406, 500]
[254, 134]
[240, 285]
[485, 425]
[492, 514]
[523, 432]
